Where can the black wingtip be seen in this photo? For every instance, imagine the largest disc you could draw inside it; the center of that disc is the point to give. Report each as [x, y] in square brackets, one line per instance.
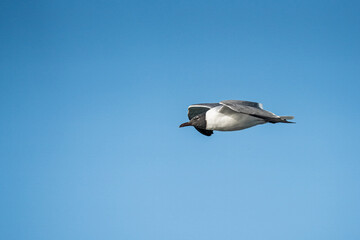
[286, 121]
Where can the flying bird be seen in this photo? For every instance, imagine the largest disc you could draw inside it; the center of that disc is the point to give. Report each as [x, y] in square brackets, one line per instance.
[230, 115]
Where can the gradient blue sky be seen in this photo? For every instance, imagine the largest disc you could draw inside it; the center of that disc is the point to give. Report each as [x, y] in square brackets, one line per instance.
[92, 94]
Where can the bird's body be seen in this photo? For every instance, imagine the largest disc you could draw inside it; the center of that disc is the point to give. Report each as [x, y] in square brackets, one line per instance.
[230, 115]
[225, 119]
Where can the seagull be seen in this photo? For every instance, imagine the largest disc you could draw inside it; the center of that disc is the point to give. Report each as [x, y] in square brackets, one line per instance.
[230, 115]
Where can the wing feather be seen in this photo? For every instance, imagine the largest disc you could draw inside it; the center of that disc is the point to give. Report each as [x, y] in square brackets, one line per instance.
[250, 108]
[197, 109]
[244, 103]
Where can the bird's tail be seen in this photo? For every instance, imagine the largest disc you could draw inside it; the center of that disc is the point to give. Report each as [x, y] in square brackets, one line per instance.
[285, 118]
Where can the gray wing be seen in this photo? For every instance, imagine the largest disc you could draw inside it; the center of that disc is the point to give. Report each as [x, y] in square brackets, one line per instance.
[251, 108]
[244, 103]
[197, 109]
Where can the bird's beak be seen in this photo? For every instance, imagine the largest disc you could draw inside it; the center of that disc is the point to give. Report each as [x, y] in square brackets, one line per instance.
[185, 124]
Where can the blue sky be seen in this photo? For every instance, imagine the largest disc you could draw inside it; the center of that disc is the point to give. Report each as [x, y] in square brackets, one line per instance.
[92, 94]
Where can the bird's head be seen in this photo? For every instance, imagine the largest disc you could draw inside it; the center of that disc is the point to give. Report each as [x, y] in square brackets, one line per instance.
[197, 121]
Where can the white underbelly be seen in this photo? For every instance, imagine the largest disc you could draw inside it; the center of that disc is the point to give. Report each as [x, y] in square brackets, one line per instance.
[232, 121]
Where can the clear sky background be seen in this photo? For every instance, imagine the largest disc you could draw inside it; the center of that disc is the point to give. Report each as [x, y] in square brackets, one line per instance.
[92, 94]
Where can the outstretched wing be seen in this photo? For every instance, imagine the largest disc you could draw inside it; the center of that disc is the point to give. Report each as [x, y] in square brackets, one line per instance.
[197, 109]
[244, 103]
[253, 109]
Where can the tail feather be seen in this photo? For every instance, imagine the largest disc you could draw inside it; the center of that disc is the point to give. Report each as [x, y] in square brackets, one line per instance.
[280, 119]
[287, 117]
